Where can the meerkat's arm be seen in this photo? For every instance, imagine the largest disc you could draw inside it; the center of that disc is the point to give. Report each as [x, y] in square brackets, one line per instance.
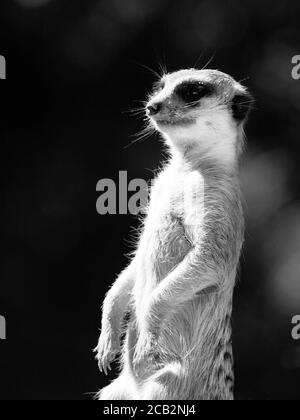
[114, 307]
[193, 275]
[117, 301]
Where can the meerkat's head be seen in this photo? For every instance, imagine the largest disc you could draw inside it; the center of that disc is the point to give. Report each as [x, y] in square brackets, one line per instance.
[201, 113]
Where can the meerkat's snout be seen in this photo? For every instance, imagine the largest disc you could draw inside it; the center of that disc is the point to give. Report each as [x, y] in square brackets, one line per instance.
[172, 106]
[154, 109]
[187, 94]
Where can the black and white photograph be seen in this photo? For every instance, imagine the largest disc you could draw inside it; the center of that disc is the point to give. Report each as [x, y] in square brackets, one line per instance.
[150, 203]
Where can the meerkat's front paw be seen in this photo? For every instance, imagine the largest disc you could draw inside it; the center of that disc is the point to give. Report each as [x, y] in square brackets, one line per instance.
[107, 350]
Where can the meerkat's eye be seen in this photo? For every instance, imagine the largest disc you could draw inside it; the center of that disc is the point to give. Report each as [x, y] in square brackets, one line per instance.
[192, 91]
[158, 86]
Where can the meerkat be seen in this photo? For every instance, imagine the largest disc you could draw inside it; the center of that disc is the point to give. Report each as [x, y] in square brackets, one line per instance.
[179, 284]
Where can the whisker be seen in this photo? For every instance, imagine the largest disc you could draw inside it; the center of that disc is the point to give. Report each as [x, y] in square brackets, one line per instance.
[133, 112]
[163, 68]
[243, 80]
[248, 102]
[209, 61]
[139, 101]
[145, 133]
[198, 60]
[155, 73]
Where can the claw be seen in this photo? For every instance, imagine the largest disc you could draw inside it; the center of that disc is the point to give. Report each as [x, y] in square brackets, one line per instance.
[107, 352]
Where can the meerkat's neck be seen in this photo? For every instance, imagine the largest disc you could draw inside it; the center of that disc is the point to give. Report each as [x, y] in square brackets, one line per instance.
[214, 171]
[210, 144]
[204, 156]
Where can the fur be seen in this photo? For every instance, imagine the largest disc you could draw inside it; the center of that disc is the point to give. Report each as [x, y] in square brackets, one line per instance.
[179, 284]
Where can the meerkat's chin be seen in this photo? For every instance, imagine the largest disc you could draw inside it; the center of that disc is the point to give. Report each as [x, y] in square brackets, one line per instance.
[164, 124]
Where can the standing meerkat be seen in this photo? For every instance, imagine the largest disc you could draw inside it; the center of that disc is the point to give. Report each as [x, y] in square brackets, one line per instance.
[179, 284]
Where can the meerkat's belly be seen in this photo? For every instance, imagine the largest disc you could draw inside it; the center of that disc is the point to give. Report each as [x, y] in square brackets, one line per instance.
[162, 248]
[171, 246]
[166, 239]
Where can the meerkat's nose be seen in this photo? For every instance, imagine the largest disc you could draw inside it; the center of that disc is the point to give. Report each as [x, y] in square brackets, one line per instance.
[154, 109]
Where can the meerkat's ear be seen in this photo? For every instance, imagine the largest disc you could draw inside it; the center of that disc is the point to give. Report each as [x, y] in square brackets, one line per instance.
[241, 105]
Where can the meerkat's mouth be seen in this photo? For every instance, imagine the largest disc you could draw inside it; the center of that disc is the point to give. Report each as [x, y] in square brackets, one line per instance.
[174, 122]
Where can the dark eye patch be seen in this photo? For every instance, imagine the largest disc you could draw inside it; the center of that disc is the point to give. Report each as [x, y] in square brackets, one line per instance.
[241, 105]
[192, 91]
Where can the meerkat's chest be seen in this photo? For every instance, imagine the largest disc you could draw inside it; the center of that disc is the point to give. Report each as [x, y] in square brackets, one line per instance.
[174, 211]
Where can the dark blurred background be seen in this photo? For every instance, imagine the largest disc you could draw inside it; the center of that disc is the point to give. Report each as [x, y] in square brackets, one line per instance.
[74, 69]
